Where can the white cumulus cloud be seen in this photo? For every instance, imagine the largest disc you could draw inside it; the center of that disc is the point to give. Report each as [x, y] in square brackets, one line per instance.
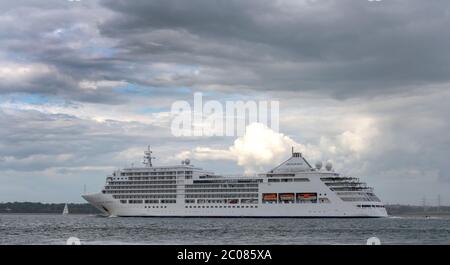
[261, 148]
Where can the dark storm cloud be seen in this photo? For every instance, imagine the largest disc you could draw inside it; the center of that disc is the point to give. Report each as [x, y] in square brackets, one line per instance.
[49, 48]
[347, 48]
[38, 141]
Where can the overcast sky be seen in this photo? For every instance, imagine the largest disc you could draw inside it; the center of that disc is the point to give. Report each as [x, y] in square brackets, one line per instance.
[85, 86]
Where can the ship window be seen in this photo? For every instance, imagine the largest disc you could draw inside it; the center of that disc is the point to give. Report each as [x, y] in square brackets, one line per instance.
[301, 180]
[274, 180]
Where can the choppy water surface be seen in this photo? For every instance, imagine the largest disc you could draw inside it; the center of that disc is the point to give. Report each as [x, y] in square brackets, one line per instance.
[56, 229]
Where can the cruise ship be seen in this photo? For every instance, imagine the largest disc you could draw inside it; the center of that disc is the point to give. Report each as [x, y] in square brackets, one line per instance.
[292, 189]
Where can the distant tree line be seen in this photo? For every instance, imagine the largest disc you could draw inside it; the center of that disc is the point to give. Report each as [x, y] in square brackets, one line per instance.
[37, 207]
[397, 209]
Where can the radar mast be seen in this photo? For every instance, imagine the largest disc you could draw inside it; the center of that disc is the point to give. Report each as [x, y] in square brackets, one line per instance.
[148, 157]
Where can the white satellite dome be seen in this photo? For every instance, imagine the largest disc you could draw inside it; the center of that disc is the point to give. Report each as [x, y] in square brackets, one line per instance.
[329, 166]
[318, 165]
[187, 161]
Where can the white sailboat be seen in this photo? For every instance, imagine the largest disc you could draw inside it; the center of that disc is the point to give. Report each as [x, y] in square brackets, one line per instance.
[66, 210]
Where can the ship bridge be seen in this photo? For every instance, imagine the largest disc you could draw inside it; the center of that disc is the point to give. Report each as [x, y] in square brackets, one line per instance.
[296, 163]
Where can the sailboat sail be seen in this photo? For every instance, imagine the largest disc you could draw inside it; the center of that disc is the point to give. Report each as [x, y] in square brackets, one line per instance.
[66, 210]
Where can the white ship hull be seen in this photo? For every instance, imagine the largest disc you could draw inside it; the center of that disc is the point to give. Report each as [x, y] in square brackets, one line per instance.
[288, 210]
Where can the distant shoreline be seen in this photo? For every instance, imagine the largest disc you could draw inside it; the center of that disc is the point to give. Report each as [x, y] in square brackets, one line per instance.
[417, 211]
[85, 208]
[46, 208]
[424, 215]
